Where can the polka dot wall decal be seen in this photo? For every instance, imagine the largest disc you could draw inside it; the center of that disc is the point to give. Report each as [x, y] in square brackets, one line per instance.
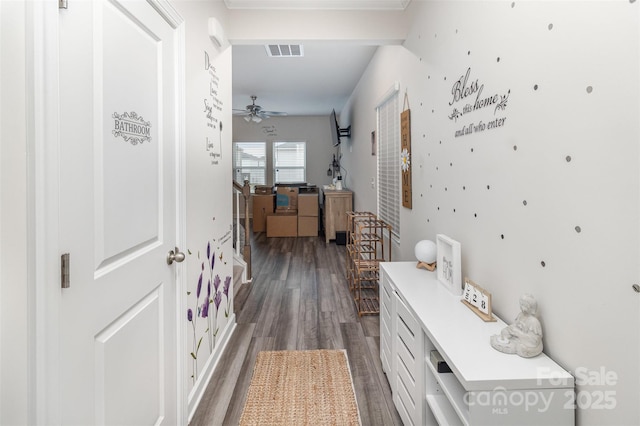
[468, 52]
[543, 263]
[498, 59]
[471, 149]
[464, 188]
[535, 87]
[550, 27]
[475, 215]
[502, 236]
[578, 229]
[513, 4]
[589, 89]
[515, 147]
[488, 187]
[524, 202]
[568, 158]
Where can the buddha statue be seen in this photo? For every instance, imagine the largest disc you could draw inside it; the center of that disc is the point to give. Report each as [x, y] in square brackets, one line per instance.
[524, 336]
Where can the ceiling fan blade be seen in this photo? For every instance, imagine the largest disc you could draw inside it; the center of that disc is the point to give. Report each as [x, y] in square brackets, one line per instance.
[274, 113]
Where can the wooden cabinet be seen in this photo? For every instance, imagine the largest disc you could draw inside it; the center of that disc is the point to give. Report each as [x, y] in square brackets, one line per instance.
[336, 205]
[263, 205]
[484, 387]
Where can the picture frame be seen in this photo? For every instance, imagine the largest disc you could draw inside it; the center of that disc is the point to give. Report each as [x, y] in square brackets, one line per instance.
[449, 264]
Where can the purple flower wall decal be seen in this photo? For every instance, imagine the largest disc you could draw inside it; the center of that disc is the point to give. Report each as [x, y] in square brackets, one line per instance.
[203, 307]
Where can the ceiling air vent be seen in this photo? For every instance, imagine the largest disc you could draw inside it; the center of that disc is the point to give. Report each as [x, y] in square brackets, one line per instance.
[284, 50]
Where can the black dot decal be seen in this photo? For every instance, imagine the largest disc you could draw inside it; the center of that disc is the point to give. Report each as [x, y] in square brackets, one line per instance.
[454, 210]
[513, 4]
[498, 59]
[535, 87]
[568, 158]
[468, 52]
[524, 202]
[515, 147]
[464, 188]
[488, 187]
[451, 164]
[543, 264]
[589, 89]
[502, 236]
[445, 188]
[438, 208]
[550, 27]
[471, 149]
[475, 215]
[578, 229]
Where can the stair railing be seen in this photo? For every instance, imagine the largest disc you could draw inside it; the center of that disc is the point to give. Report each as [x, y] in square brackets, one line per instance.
[243, 191]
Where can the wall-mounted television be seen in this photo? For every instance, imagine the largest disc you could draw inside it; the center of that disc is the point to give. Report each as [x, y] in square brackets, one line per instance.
[336, 132]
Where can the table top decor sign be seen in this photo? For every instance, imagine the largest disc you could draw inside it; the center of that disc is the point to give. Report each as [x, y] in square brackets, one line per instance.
[449, 264]
[478, 300]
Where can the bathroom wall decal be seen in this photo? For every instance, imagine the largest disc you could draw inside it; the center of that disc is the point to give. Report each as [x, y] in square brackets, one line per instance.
[212, 108]
[131, 127]
[464, 103]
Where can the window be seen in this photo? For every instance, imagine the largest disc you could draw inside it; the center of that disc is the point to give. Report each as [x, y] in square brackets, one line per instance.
[250, 162]
[388, 118]
[289, 162]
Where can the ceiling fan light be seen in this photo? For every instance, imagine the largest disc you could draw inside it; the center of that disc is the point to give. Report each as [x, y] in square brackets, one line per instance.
[256, 119]
[247, 118]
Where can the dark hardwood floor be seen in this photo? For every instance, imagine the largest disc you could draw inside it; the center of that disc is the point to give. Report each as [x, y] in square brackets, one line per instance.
[298, 299]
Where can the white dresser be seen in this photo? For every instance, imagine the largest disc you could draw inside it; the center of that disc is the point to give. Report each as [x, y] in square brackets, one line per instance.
[485, 387]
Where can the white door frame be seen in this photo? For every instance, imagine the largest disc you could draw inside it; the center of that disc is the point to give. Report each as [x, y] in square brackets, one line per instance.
[42, 209]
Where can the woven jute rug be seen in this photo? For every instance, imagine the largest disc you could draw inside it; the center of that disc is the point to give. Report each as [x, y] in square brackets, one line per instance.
[301, 388]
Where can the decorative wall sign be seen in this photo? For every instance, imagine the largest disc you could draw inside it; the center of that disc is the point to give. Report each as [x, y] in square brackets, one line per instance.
[212, 109]
[405, 153]
[462, 91]
[131, 127]
[478, 300]
[449, 264]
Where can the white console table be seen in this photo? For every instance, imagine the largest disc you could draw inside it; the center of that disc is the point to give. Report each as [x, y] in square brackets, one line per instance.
[486, 387]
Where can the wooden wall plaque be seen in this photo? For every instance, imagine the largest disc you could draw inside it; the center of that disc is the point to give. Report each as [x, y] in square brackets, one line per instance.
[405, 156]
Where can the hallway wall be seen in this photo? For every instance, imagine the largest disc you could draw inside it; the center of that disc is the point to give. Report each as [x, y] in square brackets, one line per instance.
[207, 316]
[547, 202]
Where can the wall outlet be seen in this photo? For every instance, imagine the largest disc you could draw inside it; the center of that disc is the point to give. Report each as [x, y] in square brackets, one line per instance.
[373, 183]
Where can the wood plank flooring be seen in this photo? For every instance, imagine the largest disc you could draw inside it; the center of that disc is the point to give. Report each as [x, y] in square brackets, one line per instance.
[298, 299]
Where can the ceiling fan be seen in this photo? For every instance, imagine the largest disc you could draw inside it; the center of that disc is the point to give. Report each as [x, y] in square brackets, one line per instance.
[255, 113]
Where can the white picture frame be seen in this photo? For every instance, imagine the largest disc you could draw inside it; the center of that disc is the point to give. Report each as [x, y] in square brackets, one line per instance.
[449, 265]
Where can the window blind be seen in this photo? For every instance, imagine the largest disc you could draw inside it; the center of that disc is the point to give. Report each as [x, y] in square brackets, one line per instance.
[289, 162]
[388, 118]
[250, 161]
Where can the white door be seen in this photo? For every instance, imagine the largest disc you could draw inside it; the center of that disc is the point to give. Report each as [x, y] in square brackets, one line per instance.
[118, 121]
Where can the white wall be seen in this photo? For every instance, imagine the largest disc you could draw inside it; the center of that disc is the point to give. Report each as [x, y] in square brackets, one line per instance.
[209, 219]
[14, 311]
[557, 184]
[314, 130]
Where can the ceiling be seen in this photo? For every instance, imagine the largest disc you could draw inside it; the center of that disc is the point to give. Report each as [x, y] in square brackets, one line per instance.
[314, 84]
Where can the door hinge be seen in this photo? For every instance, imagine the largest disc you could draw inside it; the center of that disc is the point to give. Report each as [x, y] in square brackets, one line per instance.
[64, 271]
[62, 4]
